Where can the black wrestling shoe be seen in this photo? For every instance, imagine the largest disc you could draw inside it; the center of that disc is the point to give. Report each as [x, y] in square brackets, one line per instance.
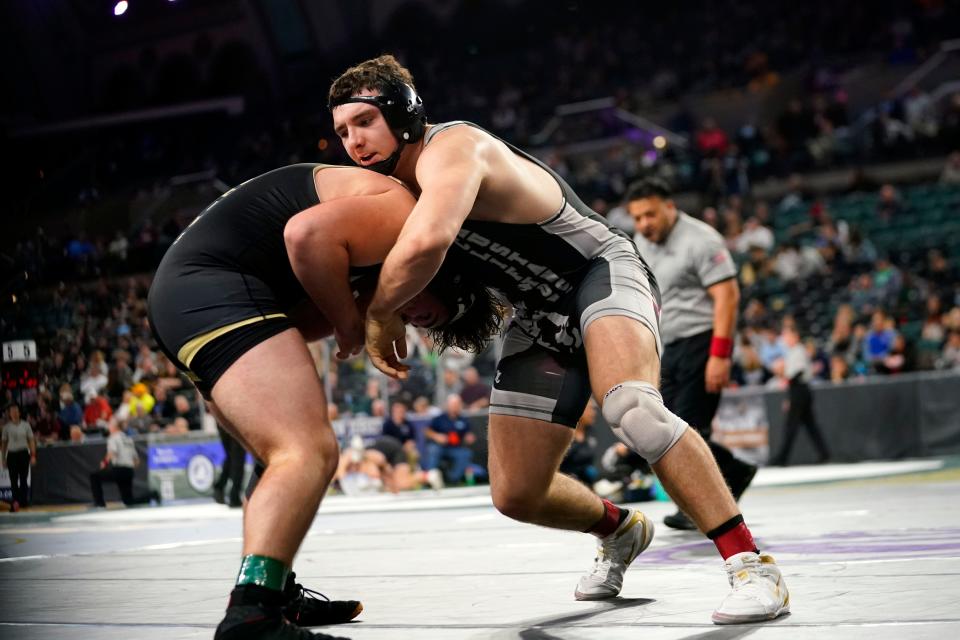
[247, 619]
[308, 608]
[679, 520]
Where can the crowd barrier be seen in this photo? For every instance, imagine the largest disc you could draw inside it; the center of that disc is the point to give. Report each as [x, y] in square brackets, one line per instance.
[184, 466]
[910, 415]
[881, 417]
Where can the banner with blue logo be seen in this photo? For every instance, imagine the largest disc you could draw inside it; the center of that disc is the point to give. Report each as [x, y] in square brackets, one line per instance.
[186, 469]
[178, 455]
[6, 493]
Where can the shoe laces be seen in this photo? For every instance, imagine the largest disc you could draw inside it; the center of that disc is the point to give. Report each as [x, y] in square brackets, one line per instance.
[304, 593]
[296, 591]
[743, 571]
[606, 552]
[601, 566]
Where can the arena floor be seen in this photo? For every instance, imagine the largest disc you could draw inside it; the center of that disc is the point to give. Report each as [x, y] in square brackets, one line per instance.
[868, 551]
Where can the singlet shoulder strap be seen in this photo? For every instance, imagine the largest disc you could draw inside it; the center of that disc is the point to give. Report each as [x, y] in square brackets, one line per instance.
[439, 127]
[322, 165]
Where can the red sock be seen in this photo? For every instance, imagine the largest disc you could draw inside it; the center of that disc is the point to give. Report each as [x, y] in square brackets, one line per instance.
[609, 522]
[732, 537]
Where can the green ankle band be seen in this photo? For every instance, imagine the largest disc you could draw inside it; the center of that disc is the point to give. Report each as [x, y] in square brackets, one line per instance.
[263, 572]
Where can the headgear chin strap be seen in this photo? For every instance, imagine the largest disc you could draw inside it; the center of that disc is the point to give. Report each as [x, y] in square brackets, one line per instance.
[449, 287]
[464, 303]
[403, 110]
[387, 167]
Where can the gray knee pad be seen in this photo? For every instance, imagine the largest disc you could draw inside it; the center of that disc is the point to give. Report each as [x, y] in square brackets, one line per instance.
[637, 415]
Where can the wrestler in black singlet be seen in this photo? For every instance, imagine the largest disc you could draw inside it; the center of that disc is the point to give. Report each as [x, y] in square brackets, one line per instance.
[226, 284]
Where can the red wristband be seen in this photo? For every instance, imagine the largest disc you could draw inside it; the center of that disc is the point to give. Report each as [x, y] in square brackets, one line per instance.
[721, 347]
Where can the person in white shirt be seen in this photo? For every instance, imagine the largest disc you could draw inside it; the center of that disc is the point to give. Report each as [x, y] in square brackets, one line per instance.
[798, 371]
[19, 452]
[117, 466]
[754, 234]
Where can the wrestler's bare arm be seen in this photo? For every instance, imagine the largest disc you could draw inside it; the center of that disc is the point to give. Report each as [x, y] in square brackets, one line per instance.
[323, 241]
[450, 172]
[311, 322]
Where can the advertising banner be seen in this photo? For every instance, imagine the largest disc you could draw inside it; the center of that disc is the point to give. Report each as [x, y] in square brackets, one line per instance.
[742, 424]
[6, 493]
[186, 469]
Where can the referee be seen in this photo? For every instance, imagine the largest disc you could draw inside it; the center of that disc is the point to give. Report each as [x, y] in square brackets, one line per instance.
[698, 282]
[797, 370]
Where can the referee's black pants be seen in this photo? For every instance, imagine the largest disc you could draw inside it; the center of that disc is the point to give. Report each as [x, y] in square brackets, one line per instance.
[683, 370]
[233, 465]
[123, 476]
[800, 414]
[18, 463]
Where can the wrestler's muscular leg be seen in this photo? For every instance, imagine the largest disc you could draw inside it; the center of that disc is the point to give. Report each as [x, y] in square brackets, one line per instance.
[687, 471]
[282, 416]
[524, 458]
[225, 424]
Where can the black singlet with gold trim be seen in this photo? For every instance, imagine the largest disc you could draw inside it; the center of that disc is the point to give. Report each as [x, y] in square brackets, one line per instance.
[226, 283]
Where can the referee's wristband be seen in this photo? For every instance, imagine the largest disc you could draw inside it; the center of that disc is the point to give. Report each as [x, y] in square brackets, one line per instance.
[721, 347]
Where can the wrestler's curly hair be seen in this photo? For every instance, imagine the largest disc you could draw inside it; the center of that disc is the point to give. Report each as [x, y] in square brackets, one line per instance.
[377, 73]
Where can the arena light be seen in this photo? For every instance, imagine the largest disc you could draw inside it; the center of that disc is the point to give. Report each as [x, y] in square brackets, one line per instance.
[120, 8]
[660, 142]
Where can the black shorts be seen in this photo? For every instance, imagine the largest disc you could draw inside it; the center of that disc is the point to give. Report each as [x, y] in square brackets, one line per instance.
[391, 448]
[206, 321]
[542, 373]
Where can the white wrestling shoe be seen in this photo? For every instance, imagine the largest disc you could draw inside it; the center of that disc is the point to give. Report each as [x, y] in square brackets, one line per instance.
[759, 592]
[614, 555]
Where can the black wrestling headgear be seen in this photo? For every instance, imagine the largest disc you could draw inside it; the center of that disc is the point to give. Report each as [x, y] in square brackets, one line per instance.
[451, 290]
[403, 110]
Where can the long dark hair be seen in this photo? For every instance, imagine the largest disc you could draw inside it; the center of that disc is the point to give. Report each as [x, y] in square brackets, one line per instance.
[475, 327]
[476, 314]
